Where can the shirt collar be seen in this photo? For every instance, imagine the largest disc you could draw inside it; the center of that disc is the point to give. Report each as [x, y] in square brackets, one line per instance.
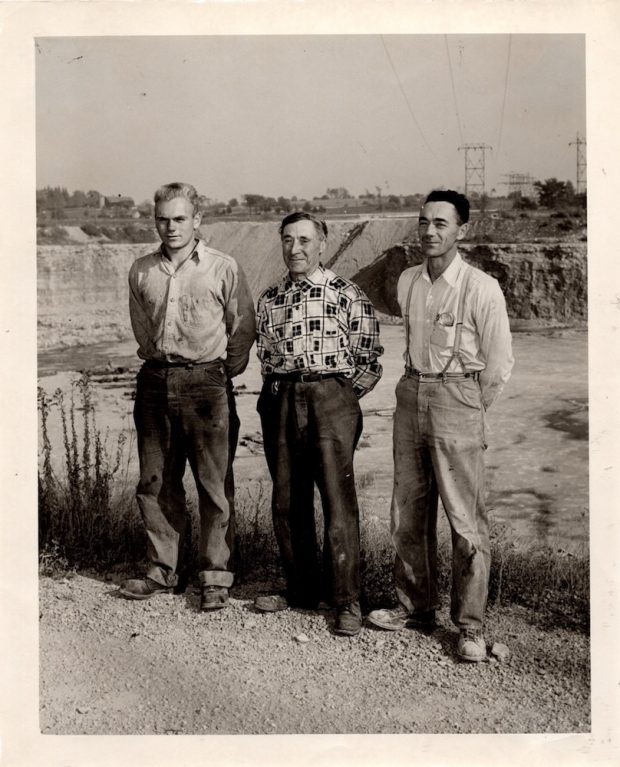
[317, 277]
[451, 274]
[198, 253]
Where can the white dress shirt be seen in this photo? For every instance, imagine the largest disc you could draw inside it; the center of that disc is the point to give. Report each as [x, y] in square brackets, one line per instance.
[486, 344]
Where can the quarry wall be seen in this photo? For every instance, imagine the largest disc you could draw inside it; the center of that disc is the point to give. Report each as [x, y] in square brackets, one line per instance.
[82, 288]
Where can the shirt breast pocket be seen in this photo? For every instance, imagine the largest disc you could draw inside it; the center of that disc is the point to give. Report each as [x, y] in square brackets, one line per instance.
[442, 335]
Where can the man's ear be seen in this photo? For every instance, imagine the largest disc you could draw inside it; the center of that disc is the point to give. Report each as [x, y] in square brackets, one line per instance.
[463, 229]
[197, 219]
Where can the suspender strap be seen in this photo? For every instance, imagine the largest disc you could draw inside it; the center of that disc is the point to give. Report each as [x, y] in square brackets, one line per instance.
[460, 312]
[414, 279]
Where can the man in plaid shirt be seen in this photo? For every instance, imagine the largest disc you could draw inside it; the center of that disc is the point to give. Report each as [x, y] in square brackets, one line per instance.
[318, 343]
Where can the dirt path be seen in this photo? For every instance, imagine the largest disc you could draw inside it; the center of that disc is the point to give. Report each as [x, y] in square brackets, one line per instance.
[111, 666]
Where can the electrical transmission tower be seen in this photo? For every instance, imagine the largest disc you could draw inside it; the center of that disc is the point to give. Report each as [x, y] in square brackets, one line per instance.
[522, 183]
[581, 164]
[474, 167]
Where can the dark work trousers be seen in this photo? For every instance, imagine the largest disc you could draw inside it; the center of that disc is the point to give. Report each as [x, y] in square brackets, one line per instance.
[439, 444]
[310, 431]
[186, 414]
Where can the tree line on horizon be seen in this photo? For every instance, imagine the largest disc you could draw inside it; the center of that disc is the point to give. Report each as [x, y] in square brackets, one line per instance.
[551, 193]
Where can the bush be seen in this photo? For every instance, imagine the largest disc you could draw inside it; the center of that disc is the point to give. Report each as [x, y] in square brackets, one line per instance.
[109, 232]
[136, 234]
[92, 230]
[485, 238]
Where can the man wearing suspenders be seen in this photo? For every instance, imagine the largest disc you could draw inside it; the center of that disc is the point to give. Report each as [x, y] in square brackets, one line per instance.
[458, 356]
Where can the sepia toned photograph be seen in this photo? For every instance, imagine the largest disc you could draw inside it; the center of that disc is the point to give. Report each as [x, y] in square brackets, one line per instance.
[312, 384]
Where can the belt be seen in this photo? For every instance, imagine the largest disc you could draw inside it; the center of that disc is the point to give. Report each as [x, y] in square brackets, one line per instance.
[163, 364]
[474, 375]
[303, 377]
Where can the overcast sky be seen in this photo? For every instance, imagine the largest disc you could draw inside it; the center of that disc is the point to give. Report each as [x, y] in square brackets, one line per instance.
[294, 115]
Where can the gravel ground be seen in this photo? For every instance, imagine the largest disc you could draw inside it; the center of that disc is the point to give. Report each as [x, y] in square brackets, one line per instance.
[112, 666]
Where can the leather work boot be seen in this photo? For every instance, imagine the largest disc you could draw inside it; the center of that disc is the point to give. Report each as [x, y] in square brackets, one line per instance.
[348, 619]
[142, 588]
[398, 619]
[213, 597]
[472, 646]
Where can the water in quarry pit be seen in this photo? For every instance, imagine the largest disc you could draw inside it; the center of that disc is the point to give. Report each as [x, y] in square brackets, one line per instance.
[537, 459]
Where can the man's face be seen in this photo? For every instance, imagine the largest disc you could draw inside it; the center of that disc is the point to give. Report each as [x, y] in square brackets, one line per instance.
[302, 247]
[439, 229]
[176, 222]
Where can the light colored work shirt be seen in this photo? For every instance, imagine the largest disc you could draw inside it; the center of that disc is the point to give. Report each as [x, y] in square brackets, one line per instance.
[486, 343]
[200, 312]
[325, 324]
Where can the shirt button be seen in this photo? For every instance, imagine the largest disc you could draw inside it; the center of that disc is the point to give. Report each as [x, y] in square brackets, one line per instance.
[172, 300]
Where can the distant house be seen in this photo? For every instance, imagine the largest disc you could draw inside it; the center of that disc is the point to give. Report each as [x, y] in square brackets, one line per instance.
[119, 201]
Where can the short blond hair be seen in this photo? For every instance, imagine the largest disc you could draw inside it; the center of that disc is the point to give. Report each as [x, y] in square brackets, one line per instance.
[176, 189]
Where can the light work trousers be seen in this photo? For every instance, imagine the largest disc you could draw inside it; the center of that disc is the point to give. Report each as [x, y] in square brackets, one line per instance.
[186, 414]
[439, 443]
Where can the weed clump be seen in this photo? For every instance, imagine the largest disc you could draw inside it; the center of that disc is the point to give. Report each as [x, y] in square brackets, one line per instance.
[86, 517]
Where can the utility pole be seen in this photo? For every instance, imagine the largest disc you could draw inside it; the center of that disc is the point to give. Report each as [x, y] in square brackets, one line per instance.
[581, 164]
[474, 167]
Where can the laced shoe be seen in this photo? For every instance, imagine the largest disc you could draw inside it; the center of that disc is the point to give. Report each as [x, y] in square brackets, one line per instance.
[398, 618]
[213, 597]
[472, 646]
[348, 619]
[142, 588]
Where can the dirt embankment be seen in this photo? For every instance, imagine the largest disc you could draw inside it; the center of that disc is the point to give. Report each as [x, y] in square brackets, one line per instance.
[82, 288]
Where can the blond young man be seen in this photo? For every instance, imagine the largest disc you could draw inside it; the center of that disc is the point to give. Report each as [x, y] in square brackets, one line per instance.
[193, 318]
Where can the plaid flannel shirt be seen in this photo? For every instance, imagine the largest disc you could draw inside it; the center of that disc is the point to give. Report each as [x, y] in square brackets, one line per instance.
[322, 324]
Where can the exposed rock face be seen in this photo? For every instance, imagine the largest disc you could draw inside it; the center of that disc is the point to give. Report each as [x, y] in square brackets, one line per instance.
[82, 293]
[544, 282]
[83, 298]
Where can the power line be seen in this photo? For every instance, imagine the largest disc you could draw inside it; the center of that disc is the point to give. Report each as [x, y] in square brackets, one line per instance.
[456, 105]
[402, 90]
[501, 124]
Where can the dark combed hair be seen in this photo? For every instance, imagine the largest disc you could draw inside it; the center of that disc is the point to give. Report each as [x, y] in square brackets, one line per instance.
[300, 215]
[460, 202]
